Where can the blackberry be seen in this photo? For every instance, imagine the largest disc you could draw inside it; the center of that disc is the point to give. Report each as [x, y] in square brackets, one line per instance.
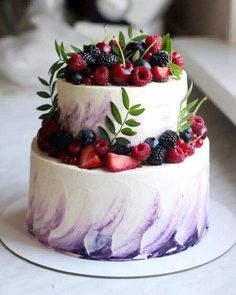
[88, 58]
[134, 46]
[92, 49]
[106, 59]
[62, 139]
[168, 139]
[157, 156]
[160, 59]
[187, 134]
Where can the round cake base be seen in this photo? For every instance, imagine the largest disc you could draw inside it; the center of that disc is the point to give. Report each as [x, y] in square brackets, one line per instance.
[16, 238]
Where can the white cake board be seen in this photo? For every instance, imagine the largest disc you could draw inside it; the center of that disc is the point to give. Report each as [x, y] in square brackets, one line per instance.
[15, 237]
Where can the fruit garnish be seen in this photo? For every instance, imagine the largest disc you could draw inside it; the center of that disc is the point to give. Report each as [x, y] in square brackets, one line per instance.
[141, 76]
[160, 74]
[141, 152]
[117, 163]
[89, 159]
[174, 155]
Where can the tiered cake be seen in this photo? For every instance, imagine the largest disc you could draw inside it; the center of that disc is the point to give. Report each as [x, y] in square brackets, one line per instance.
[100, 195]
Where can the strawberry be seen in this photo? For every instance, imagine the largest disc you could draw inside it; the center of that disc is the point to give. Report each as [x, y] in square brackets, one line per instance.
[88, 158]
[116, 163]
[160, 74]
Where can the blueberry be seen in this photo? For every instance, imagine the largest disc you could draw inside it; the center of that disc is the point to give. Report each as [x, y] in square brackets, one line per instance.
[187, 134]
[152, 141]
[143, 62]
[134, 46]
[121, 149]
[77, 78]
[87, 136]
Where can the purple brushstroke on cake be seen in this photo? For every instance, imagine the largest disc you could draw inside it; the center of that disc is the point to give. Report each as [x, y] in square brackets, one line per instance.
[90, 116]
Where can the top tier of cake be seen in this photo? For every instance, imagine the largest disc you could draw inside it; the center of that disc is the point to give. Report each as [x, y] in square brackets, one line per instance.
[89, 105]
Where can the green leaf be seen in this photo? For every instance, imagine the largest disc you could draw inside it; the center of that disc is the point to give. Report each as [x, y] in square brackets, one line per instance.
[122, 140]
[61, 73]
[44, 116]
[188, 93]
[132, 123]
[115, 49]
[140, 37]
[165, 41]
[122, 39]
[57, 49]
[53, 87]
[136, 56]
[63, 53]
[125, 98]
[44, 82]
[169, 47]
[56, 66]
[55, 100]
[43, 94]
[128, 131]
[188, 107]
[175, 70]
[44, 107]
[130, 31]
[136, 106]
[104, 135]
[186, 125]
[76, 49]
[185, 118]
[110, 125]
[115, 113]
[136, 112]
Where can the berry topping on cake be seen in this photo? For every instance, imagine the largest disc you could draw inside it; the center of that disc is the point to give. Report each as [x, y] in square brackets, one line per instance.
[136, 46]
[89, 159]
[187, 148]
[197, 124]
[76, 63]
[152, 141]
[147, 56]
[63, 139]
[121, 74]
[87, 81]
[157, 156]
[101, 76]
[187, 134]
[168, 139]
[175, 155]
[50, 128]
[101, 147]
[74, 148]
[121, 149]
[63, 157]
[86, 136]
[160, 74]
[178, 59]
[141, 152]
[117, 163]
[77, 78]
[92, 49]
[141, 76]
[199, 142]
[142, 62]
[68, 74]
[155, 42]
[160, 59]
[88, 58]
[106, 59]
[103, 47]
[72, 160]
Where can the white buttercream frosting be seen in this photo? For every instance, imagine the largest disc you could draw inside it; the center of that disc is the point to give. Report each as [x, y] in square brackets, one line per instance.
[89, 105]
[146, 212]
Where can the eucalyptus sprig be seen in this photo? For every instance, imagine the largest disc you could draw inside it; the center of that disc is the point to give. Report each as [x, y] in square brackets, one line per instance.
[125, 125]
[188, 110]
[56, 71]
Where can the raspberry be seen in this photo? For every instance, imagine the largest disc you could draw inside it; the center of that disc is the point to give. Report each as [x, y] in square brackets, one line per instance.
[141, 76]
[87, 81]
[62, 139]
[199, 143]
[106, 59]
[178, 59]
[101, 76]
[168, 139]
[76, 63]
[88, 58]
[160, 59]
[198, 124]
[175, 155]
[50, 128]
[63, 157]
[74, 148]
[141, 152]
[187, 148]
[157, 45]
[101, 147]
[157, 156]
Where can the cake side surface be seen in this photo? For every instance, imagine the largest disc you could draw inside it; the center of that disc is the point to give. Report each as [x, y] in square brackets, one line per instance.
[136, 214]
[89, 105]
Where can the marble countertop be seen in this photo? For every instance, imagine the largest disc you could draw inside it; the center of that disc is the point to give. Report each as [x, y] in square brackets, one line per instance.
[18, 124]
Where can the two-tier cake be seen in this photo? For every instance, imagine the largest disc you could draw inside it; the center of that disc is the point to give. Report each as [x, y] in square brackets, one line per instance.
[120, 166]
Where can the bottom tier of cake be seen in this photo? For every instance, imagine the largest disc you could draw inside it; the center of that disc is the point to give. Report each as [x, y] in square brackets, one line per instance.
[137, 214]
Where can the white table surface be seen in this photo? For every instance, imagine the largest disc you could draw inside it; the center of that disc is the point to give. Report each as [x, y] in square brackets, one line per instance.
[18, 124]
